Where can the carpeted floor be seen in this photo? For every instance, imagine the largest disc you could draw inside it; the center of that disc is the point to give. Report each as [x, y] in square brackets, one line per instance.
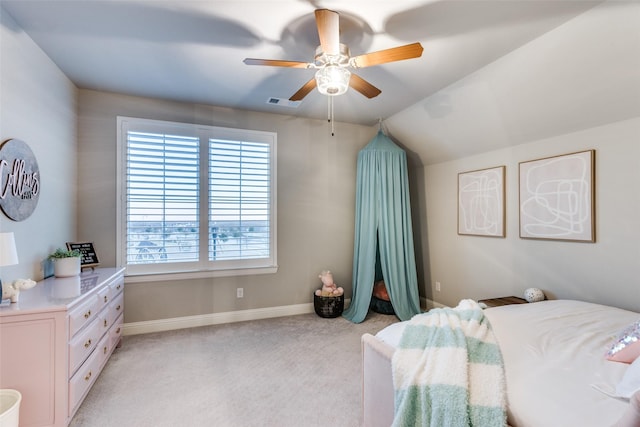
[290, 371]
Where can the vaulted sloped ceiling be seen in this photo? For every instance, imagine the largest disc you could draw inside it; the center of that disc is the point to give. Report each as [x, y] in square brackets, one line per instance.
[583, 74]
[493, 72]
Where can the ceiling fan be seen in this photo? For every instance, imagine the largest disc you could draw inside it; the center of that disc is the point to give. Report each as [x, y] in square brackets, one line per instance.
[332, 60]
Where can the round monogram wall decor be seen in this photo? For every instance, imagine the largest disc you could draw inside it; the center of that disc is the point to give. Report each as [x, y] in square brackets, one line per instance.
[19, 180]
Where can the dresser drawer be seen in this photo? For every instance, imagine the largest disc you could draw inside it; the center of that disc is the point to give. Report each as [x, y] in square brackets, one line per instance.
[83, 344]
[104, 348]
[83, 314]
[116, 308]
[105, 321]
[116, 331]
[80, 383]
[117, 286]
[104, 296]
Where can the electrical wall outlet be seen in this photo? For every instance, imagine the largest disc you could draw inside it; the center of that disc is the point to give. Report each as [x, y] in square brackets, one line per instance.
[240, 292]
[438, 287]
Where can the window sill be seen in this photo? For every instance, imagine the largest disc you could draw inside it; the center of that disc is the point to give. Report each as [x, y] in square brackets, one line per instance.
[186, 275]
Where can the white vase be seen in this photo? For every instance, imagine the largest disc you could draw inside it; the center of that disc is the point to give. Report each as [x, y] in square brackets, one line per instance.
[66, 267]
[66, 287]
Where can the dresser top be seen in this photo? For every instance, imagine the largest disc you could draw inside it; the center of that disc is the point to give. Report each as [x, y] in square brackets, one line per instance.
[60, 293]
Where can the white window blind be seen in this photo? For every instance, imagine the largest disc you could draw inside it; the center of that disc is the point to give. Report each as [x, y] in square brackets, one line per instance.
[195, 198]
[162, 198]
[239, 199]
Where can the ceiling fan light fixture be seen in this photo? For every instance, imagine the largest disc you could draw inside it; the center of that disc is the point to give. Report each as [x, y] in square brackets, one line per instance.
[333, 80]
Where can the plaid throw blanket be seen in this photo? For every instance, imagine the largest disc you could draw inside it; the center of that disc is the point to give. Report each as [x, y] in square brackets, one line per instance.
[448, 370]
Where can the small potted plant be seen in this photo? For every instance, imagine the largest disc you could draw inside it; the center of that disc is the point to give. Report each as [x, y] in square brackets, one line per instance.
[66, 263]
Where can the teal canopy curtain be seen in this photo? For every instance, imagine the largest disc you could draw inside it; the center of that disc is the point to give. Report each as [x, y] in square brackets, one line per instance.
[383, 221]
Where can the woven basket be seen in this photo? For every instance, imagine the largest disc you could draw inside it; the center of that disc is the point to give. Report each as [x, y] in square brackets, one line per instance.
[328, 306]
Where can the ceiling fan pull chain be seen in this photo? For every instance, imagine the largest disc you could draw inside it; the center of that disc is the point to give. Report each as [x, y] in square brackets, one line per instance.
[331, 114]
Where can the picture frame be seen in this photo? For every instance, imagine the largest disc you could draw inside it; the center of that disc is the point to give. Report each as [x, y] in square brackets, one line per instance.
[481, 202]
[557, 197]
[89, 256]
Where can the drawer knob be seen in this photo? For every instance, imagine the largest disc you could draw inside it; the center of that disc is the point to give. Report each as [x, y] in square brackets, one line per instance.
[87, 314]
[118, 307]
[118, 331]
[105, 298]
[87, 344]
[118, 287]
[105, 349]
[88, 376]
[105, 323]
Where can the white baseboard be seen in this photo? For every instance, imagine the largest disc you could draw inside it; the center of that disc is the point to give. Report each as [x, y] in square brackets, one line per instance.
[431, 304]
[160, 325]
[171, 324]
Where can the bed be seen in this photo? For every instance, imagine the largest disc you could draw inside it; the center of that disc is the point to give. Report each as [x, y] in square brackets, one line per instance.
[554, 365]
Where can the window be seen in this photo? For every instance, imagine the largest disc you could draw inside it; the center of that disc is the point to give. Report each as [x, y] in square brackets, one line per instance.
[195, 199]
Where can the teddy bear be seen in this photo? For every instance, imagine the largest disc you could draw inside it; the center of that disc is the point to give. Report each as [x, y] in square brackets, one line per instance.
[329, 288]
[12, 290]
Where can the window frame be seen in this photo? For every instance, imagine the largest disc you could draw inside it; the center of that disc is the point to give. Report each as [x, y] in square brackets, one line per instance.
[202, 267]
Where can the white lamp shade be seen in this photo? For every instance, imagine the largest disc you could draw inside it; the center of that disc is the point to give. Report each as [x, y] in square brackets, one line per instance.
[8, 252]
[333, 80]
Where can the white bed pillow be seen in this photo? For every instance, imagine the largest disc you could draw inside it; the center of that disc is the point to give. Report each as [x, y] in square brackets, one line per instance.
[392, 334]
[630, 382]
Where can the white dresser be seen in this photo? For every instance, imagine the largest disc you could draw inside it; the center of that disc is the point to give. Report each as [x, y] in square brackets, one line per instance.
[55, 341]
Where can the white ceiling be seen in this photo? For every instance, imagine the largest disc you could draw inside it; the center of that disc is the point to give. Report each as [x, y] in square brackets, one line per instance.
[192, 51]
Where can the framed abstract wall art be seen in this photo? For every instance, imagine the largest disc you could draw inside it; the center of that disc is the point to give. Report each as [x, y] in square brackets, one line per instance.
[557, 197]
[481, 202]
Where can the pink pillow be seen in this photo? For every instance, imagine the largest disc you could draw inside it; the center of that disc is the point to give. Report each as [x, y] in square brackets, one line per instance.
[626, 348]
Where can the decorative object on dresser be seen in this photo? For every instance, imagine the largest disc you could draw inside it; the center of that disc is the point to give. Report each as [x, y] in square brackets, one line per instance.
[55, 344]
[89, 256]
[12, 291]
[66, 263]
[497, 302]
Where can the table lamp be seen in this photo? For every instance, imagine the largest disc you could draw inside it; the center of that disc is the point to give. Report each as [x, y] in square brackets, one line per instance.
[8, 252]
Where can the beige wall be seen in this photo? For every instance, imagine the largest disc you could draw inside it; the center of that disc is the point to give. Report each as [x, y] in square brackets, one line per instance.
[38, 106]
[566, 91]
[316, 205]
[316, 192]
[479, 267]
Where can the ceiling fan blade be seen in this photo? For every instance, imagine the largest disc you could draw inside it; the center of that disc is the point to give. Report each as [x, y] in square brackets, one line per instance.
[363, 86]
[328, 23]
[409, 51]
[276, 63]
[304, 90]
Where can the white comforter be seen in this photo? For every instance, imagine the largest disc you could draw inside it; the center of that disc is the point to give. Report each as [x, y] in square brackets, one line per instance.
[554, 361]
[554, 356]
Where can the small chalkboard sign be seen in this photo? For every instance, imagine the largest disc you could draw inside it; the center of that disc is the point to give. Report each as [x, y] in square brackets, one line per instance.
[89, 257]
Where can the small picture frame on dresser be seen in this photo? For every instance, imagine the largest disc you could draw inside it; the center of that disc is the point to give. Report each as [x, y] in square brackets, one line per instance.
[89, 257]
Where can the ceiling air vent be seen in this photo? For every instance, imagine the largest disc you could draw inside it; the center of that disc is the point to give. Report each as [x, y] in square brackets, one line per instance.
[283, 102]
